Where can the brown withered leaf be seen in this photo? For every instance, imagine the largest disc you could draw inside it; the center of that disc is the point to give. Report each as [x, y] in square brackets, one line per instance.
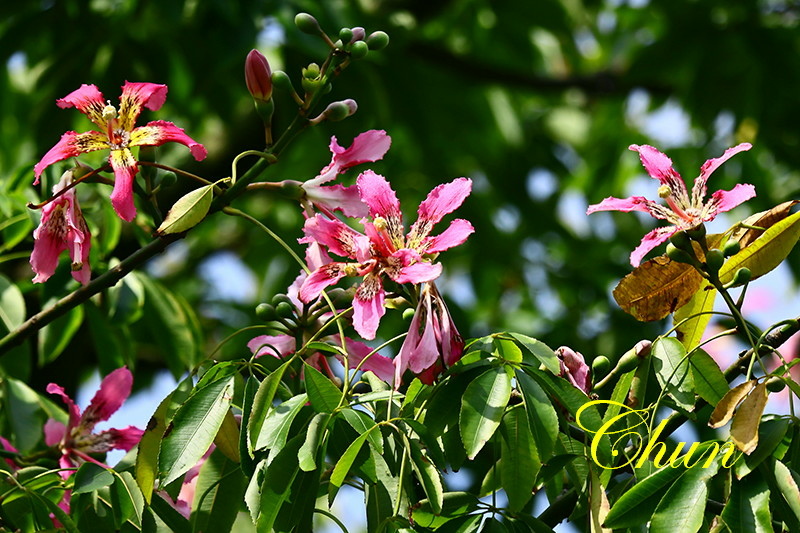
[656, 288]
[744, 429]
[764, 219]
[723, 412]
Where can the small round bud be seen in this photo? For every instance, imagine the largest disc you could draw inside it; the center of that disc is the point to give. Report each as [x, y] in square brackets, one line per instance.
[697, 233]
[307, 24]
[168, 179]
[359, 49]
[775, 384]
[337, 111]
[678, 255]
[714, 260]
[681, 241]
[281, 298]
[345, 34]
[600, 366]
[284, 310]
[358, 34]
[731, 248]
[631, 359]
[266, 312]
[378, 40]
[281, 80]
[340, 297]
[408, 314]
[311, 72]
[742, 276]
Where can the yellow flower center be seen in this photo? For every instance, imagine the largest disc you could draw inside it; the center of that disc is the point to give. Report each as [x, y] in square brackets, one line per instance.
[664, 191]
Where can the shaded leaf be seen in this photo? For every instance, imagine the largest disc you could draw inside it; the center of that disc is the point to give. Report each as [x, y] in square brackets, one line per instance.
[262, 403]
[428, 475]
[542, 417]
[307, 454]
[519, 461]
[218, 493]
[56, 336]
[683, 505]
[747, 508]
[12, 304]
[227, 439]
[91, 477]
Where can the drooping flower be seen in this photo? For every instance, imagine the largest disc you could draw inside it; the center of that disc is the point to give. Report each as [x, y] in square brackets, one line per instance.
[62, 227]
[367, 147]
[681, 211]
[385, 251]
[77, 440]
[433, 342]
[574, 368]
[117, 133]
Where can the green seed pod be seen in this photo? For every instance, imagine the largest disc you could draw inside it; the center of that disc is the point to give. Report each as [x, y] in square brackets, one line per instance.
[266, 312]
[600, 367]
[678, 255]
[359, 49]
[714, 260]
[742, 276]
[378, 40]
[307, 24]
[775, 384]
[345, 34]
[284, 310]
[408, 314]
[278, 298]
[697, 233]
[311, 71]
[168, 179]
[681, 241]
[731, 248]
[627, 362]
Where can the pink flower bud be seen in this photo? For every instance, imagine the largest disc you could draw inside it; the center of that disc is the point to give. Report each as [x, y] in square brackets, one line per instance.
[258, 76]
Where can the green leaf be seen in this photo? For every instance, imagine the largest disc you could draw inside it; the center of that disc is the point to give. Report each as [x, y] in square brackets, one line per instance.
[324, 395]
[126, 298]
[428, 475]
[171, 518]
[276, 427]
[454, 505]
[12, 305]
[307, 454]
[262, 403]
[275, 487]
[188, 211]
[508, 351]
[344, 464]
[91, 477]
[482, 407]
[637, 505]
[540, 351]
[747, 508]
[699, 308]
[766, 252]
[22, 408]
[682, 507]
[127, 501]
[227, 439]
[113, 344]
[519, 461]
[219, 491]
[709, 382]
[362, 423]
[672, 370]
[193, 428]
[245, 455]
[770, 435]
[56, 336]
[542, 417]
[788, 487]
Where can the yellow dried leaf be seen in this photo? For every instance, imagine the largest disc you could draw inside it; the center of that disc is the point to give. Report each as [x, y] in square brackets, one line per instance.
[723, 412]
[764, 219]
[657, 288]
[744, 430]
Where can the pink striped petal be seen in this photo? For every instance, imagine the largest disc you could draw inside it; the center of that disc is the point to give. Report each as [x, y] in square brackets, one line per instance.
[443, 200]
[72, 409]
[368, 306]
[125, 169]
[722, 201]
[137, 95]
[699, 190]
[367, 147]
[121, 439]
[71, 144]
[159, 132]
[357, 351]
[657, 164]
[634, 203]
[376, 192]
[455, 234]
[114, 390]
[337, 236]
[317, 281]
[418, 272]
[88, 100]
[54, 432]
[46, 249]
[650, 241]
[337, 198]
[274, 345]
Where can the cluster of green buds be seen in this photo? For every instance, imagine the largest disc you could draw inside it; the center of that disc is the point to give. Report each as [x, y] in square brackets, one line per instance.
[284, 310]
[683, 247]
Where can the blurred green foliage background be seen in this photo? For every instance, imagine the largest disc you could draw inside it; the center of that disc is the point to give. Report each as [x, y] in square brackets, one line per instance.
[536, 101]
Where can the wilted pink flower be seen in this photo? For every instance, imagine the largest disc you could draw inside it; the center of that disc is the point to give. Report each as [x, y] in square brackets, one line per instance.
[368, 147]
[117, 133]
[76, 440]
[62, 227]
[433, 342]
[385, 250]
[574, 368]
[681, 211]
[258, 76]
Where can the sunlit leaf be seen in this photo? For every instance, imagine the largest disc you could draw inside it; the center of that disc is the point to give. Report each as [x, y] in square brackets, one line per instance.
[482, 407]
[324, 395]
[672, 370]
[540, 351]
[724, 410]
[519, 461]
[694, 316]
[744, 429]
[764, 219]
[747, 508]
[709, 381]
[683, 505]
[188, 211]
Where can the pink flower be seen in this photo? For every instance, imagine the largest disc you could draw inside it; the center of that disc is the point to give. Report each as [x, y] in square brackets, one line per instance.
[118, 135]
[681, 211]
[385, 251]
[368, 147]
[76, 440]
[62, 227]
[433, 342]
[574, 368]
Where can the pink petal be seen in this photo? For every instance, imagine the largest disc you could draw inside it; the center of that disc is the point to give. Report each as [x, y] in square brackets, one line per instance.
[418, 273]
[122, 439]
[376, 192]
[125, 169]
[443, 200]
[46, 249]
[71, 144]
[574, 368]
[317, 281]
[114, 390]
[72, 409]
[136, 95]
[159, 132]
[650, 241]
[54, 432]
[634, 203]
[337, 198]
[88, 100]
[274, 345]
[333, 233]
[368, 306]
[659, 166]
[722, 201]
[367, 147]
[454, 235]
[711, 165]
[357, 351]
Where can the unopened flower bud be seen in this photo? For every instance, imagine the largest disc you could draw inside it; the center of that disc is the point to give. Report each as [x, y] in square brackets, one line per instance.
[731, 248]
[358, 34]
[359, 49]
[697, 233]
[682, 241]
[311, 72]
[341, 298]
[775, 384]
[284, 310]
[714, 260]
[378, 40]
[742, 276]
[678, 255]
[408, 314]
[600, 366]
[281, 80]
[337, 111]
[258, 76]
[633, 357]
[281, 298]
[307, 24]
[168, 179]
[266, 312]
